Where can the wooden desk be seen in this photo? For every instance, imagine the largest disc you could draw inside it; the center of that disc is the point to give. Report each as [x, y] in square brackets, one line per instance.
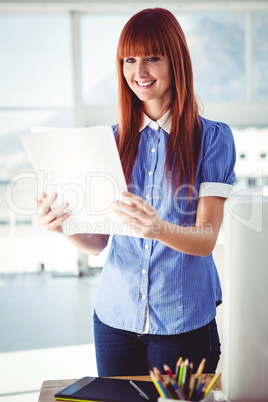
[50, 388]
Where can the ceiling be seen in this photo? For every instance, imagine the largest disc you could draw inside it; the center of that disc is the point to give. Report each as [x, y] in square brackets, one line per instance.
[122, 6]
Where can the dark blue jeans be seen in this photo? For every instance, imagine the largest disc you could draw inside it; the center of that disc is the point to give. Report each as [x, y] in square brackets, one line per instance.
[122, 353]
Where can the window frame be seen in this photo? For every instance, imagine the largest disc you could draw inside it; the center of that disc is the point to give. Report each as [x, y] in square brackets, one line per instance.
[248, 113]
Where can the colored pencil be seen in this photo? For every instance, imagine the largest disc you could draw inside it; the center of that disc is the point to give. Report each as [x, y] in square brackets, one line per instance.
[178, 364]
[197, 375]
[158, 375]
[186, 389]
[174, 384]
[184, 374]
[192, 393]
[159, 378]
[158, 385]
[201, 367]
[169, 372]
[169, 386]
[211, 384]
[170, 390]
[180, 374]
[199, 391]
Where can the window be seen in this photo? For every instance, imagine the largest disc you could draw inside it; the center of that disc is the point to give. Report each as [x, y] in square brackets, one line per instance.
[217, 46]
[36, 68]
[35, 81]
[99, 38]
[35, 89]
[260, 56]
[218, 43]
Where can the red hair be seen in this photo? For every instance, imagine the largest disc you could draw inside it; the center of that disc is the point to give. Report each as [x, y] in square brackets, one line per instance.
[157, 32]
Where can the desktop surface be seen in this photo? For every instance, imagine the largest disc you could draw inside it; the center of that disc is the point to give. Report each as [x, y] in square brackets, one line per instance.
[51, 387]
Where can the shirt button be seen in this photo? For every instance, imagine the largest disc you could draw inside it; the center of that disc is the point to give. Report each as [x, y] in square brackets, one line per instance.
[143, 272]
[147, 196]
[150, 173]
[152, 150]
[143, 297]
[146, 246]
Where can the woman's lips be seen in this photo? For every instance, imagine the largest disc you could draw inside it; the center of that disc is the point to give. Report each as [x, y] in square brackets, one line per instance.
[145, 84]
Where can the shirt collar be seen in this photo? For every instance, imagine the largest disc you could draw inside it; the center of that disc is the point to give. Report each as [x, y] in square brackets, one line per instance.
[164, 122]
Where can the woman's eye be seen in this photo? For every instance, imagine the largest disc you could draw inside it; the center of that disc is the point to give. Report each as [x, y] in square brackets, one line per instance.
[154, 58]
[129, 60]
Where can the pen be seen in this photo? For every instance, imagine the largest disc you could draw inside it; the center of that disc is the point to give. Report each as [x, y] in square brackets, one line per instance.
[140, 391]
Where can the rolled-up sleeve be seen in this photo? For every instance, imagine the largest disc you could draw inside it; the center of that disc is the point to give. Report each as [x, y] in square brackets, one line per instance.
[217, 168]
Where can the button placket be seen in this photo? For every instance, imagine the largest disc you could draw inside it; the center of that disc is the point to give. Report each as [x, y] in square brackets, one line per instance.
[144, 270]
[146, 247]
[154, 141]
[145, 260]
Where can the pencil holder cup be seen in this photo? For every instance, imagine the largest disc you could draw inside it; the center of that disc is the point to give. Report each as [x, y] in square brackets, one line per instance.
[210, 398]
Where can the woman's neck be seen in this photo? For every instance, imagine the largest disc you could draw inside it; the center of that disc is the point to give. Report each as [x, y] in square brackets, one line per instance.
[155, 113]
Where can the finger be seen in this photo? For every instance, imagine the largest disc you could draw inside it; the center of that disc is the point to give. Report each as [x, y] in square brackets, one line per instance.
[143, 216]
[134, 201]
[131, 196]
[140, 202]
[132, 209]
[39, 198]
[128, 194]
[53, 214]
[138, 219]
[126, 217]
[57, 222]
[44, 208]
[134, 223]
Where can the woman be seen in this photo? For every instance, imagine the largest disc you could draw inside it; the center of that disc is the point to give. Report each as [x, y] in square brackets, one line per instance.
[158, 293]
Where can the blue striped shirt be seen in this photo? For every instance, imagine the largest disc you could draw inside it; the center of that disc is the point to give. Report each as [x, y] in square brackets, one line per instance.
[144, 278]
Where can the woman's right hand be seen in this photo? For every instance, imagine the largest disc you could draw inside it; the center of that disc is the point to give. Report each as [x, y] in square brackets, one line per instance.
[49, 218]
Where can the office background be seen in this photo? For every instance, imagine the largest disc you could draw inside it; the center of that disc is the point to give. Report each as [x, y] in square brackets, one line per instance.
[57, 68]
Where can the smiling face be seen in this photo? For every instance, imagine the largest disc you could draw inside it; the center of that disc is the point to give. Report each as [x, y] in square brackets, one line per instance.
[150, 78]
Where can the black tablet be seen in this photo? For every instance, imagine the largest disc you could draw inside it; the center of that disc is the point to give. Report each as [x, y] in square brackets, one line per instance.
[96, 389]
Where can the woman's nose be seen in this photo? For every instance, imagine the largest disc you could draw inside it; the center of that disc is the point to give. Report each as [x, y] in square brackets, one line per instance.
[141, 70]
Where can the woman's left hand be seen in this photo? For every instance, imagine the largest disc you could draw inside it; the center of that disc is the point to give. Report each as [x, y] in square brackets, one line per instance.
[139, 216]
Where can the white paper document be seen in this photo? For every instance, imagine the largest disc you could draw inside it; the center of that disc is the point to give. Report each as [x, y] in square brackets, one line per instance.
[83, 167]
